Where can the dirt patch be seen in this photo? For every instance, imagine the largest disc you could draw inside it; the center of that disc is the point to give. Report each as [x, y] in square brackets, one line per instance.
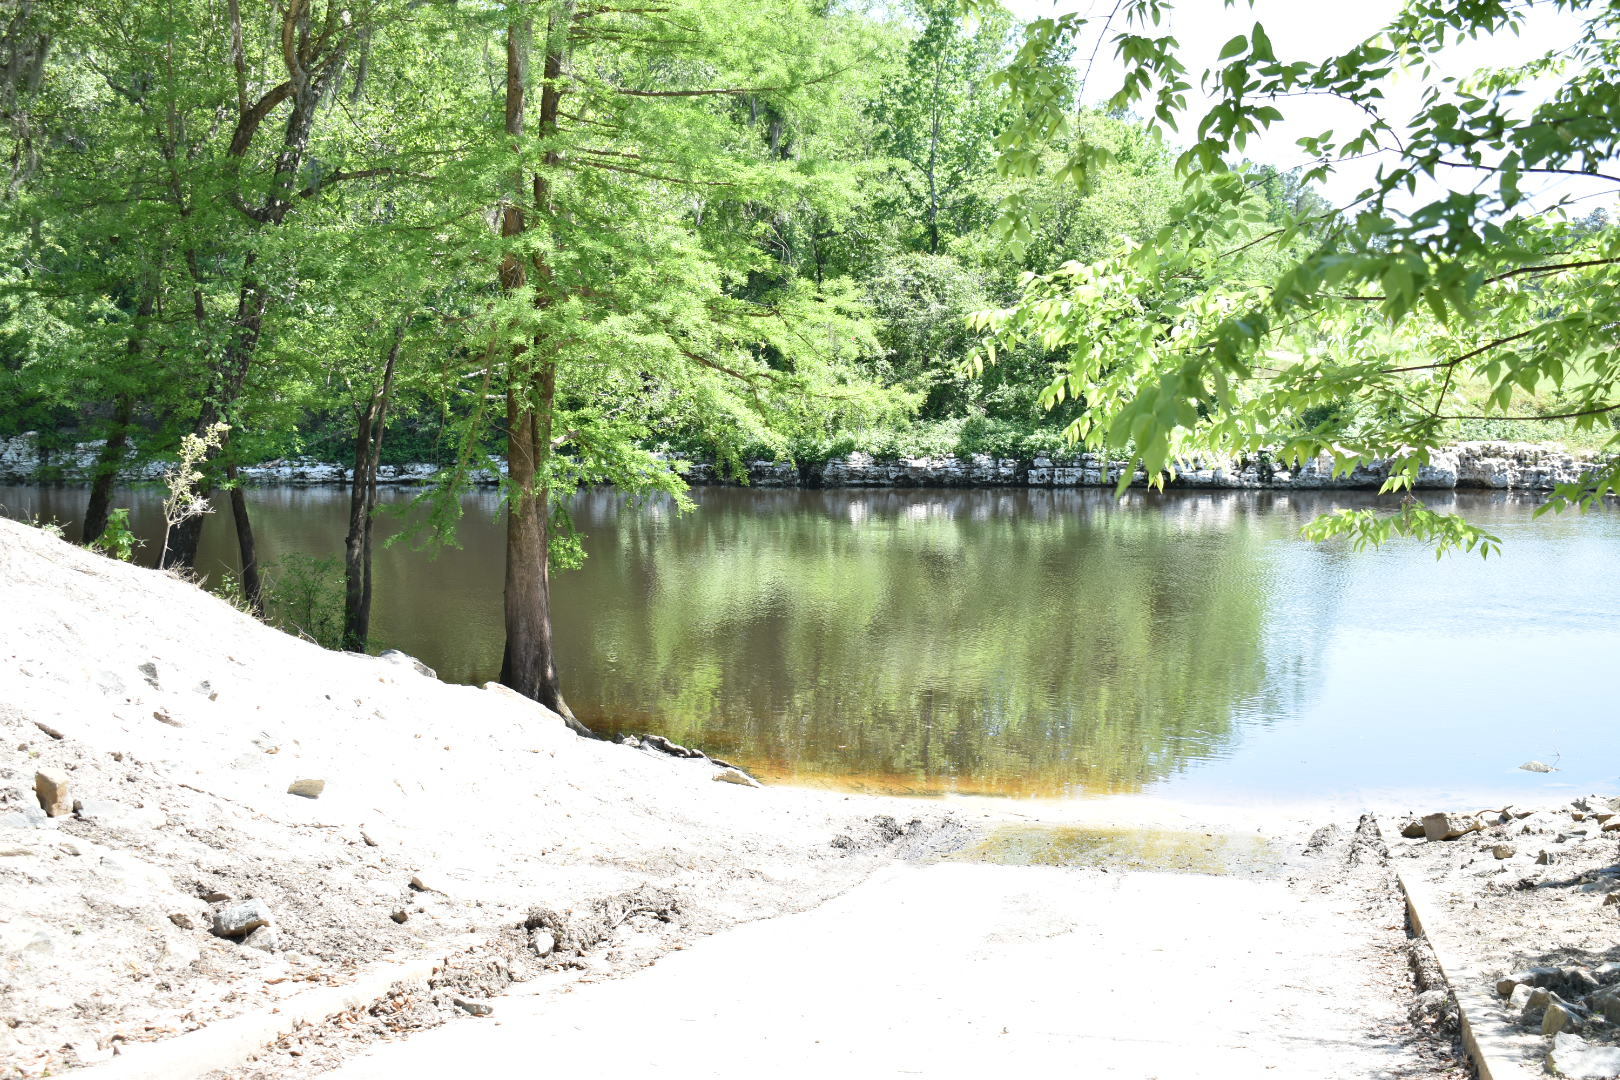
[1530, 899]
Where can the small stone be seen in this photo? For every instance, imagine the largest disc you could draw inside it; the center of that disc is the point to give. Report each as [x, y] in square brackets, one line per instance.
[1606, 1003]
[239, 920]
[400, 916]
[1558, 1018]
[1447, 826]
[1546, 858]
[474, 1008]
[425, 884]
[1413, 829]
[163, 717]
[735, 776]
[265, 939]
[1612, 900]
[183, 920]
[394, 656]
[309, 789]
[1573, 1057]
[1536, 1004]
[1504, 851]
[1520, 997]
[1537, 766]
[51, 786]
[214, 896]
[543, 942]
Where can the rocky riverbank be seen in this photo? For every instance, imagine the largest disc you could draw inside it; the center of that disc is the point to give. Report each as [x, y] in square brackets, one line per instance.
[1492, 466]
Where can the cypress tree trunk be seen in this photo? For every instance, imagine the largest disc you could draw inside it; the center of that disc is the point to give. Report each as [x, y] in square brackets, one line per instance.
[363, 507]
[105, 472]
[252, 588]
[528, 664]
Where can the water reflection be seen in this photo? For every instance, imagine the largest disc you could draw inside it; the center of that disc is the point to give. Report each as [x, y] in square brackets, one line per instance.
[1025, 642]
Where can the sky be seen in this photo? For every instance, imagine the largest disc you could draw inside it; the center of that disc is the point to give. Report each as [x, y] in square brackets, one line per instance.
[1312, 30]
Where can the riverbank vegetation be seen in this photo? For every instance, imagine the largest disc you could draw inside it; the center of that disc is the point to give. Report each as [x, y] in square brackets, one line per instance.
[578, 240]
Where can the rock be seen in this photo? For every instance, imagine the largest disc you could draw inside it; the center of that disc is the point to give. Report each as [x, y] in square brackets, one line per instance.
[309, 789]
[163, 717]
[400, 916]
[183, 920]
[265, 939]
[1537, 766]
[425, 884]
[542, 942]
[1606, 1003]
[474, 1008]
[1413, 829]
[1504, 851]
[1573, 1057]
[1612, 899]
[1546, 858]
[394, 656]
[1559, 1017]
[239, 920]
[51, 787]
[1612, 825]
[148, 671]
[1520, 997]
[1448, 826]
[26, 818]
[214, 896]
[735, 776]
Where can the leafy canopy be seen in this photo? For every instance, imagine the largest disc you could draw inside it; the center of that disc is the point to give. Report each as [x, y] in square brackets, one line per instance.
[1440, 295]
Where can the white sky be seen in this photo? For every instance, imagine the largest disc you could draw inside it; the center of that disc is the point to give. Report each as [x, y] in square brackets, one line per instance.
[1312, 30]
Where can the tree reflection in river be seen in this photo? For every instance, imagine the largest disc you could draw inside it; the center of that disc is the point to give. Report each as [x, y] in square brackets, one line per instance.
[1017, 642]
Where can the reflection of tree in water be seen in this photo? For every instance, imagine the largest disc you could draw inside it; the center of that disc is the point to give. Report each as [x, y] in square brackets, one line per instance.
[1013, 641]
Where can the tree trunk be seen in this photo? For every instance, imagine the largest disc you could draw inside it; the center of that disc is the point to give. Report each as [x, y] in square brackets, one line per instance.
[252, 587]
[230, 373]
[528, 664]
[105, 472]
[933, 166]
[363, 507]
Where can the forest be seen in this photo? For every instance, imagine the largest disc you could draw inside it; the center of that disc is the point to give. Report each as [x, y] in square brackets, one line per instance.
[581, 243]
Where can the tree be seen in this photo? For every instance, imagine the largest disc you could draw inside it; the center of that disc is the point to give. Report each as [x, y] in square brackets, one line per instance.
[939, 112]
[1364, 332]
[634, 296]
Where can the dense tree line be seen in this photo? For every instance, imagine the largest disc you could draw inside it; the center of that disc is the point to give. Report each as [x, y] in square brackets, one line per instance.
[566, 240]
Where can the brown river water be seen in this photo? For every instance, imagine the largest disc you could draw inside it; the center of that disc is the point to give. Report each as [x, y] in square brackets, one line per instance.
[1026, 642]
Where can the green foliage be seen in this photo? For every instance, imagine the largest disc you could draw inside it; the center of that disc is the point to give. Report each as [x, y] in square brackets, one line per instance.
[303, 595]
[117, 540]
[1258, 319]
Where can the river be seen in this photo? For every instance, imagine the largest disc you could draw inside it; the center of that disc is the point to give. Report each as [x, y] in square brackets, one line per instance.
[1030, 642]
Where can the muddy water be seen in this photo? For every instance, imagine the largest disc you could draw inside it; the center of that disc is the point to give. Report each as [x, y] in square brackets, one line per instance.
[1023, 642]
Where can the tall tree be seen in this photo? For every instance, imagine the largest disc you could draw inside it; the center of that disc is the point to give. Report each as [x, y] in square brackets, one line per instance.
[629, 302]
[939, 113]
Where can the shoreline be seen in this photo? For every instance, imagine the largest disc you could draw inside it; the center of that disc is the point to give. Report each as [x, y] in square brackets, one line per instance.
[1480, 466]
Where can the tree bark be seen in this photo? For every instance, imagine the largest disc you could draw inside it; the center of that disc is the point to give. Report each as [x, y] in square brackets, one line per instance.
[529, 664]
[252, 587]
[105, 472]
[363, 506]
